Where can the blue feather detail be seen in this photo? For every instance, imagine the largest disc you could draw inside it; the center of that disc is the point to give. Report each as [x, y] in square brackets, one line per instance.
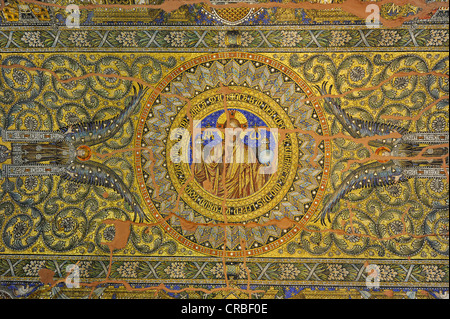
[370, 175]
[94, 173]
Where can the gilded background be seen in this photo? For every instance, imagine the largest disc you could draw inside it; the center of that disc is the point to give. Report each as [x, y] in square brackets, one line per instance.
[128, 78]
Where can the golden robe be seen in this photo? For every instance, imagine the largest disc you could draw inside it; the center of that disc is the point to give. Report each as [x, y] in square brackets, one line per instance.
[241, 173]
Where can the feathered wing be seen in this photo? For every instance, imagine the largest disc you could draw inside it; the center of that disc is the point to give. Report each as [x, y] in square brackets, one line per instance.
[92, 133]
[370, 175]
[94, 173]
[357, 128]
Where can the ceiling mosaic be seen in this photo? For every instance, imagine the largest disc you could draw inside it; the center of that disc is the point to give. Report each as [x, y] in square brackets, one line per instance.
[224, 149]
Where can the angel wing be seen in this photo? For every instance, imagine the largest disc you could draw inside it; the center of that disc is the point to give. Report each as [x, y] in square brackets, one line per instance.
[357, 128]
[369, 175]
[94, 173]
[92, 133]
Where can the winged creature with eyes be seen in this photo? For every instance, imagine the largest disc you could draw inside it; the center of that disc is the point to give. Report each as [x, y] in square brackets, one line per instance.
[406, 157]
[67, 153]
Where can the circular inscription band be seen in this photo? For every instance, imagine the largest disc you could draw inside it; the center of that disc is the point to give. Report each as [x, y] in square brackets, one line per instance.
[226, 154]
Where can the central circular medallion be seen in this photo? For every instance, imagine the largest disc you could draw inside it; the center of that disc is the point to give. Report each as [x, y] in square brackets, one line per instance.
[227, 176]
[229, 152]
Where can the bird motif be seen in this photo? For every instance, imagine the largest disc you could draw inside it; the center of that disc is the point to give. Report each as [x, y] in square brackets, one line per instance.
[395, 169]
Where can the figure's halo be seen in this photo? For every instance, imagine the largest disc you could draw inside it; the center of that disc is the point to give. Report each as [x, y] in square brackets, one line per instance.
[234, 114]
